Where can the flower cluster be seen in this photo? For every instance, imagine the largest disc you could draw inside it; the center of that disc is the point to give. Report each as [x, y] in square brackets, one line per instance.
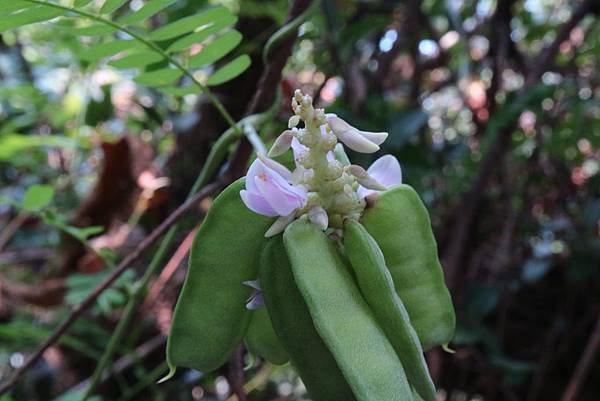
[324, 186]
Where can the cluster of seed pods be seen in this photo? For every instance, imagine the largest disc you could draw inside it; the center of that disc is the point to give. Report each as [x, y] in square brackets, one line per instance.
[328, 266]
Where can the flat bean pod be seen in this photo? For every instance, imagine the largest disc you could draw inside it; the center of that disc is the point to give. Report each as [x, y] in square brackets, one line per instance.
[210, 318]
[400, 225]
[376, 285]
[342, 318]
[293, 324]
[261, 339]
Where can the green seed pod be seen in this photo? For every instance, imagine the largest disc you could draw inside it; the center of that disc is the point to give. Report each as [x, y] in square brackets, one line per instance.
[261, 339]
[400, 225]
[211, 318]
[294, 327]
[376, 285]
[342, 318]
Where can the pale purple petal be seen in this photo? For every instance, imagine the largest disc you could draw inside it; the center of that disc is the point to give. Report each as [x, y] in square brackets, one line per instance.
[256, 168]
[386, 170]
[268, 192]
[376, 137]
[285, 185]
[323, 129]
[298, 148]
[275, 166]
[256, 300]
[254, 284]
[284, 199]
[257, 203]
[330, 157]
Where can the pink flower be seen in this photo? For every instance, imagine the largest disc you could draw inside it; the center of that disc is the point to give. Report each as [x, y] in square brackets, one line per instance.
[386, 171]
[269, 192]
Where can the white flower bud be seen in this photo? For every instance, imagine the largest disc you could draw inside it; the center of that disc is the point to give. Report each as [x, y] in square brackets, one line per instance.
[298, 95]
[282, 143]
[351, 136]
[341, 155]
[293, 121]
[364, 178]
[318, 216]
[376, 137]
[280, 224]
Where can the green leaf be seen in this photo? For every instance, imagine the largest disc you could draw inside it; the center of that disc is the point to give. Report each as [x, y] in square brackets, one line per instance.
[181, 90]
[230, 70]
[28, 16]
[83, 233]
[189, 23]
[12, 144]
[37, 197]
[81, 3]
[161, 77]
[147, 11]
[111, 5]
[201, 35]
[8, 7]
[216, 49]
[92, 30]
[103, 50]
[136, 60]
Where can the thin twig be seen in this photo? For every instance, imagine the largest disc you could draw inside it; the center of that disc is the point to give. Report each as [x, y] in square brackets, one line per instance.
[583, 366]
[127, 361]
[78, 310]
[11, 228]
[236, 374]
[170, 268]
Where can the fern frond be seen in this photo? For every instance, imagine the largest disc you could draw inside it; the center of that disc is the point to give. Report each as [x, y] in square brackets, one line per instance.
[176, 44]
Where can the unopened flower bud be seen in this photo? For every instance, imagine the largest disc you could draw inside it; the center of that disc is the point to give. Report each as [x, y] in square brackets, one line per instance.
[293, 121]
[282, 143]
[359, 141]
[364, 179]
[350, 136]
[341, 155]
[376, 137]
[318, 216]
[280, 224]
